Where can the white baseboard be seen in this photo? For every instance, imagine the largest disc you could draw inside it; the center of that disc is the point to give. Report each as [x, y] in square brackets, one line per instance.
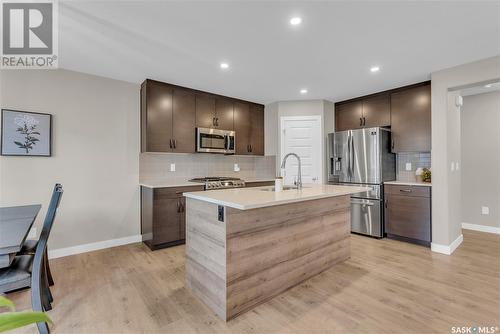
[447, 249]
[55, 253]
[481, 228]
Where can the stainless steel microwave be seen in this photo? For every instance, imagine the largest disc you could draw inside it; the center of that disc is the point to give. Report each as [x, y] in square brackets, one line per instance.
[215, 141]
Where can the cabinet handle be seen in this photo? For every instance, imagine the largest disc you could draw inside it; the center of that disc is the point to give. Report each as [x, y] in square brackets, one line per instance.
[392, 144]
[170, 143]
[251, 148]
[216, 121]
[360, 121]
[405, 190]
[178, 206]
[213, 121]
[183, 207]
[364, 121]
[175, 143]
[385, 203]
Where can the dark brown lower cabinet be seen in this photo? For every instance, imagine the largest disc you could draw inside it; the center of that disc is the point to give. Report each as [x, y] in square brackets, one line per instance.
[163, 219]
[408, 213]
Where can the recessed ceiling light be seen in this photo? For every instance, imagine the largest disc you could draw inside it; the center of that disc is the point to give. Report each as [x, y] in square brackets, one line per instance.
[487, 86]
[374, 69]
[303, 91]
[295, 21]
[224, 66]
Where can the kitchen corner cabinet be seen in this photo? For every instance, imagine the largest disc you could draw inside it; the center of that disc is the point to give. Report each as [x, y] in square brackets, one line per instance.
[163, 220]
[408, 213]
[411, 120]
[170, 115]
[366, 112]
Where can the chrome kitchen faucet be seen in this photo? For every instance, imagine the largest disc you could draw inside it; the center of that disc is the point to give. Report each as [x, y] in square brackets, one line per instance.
[299, 175]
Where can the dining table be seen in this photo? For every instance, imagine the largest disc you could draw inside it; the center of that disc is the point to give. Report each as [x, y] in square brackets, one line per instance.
[15, 224]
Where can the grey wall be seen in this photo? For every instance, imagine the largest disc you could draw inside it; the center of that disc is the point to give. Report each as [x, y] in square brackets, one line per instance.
[481, 158]
[446, 190]
[95, 154]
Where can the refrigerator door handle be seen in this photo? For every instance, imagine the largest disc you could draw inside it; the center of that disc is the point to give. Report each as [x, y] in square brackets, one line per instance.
[351, 150]
[349, 155]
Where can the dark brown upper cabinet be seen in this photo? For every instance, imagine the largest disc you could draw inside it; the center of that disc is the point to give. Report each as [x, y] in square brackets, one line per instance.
[407, 110]
[242, 127]
[205, 110]
[165, 111]
[170, 115]
[363, 113]
[183, 117]
[411, 119]
[156, 117]
[376, 111]
[348, 116]
[257, 129]
[249, 127]
[224, 119]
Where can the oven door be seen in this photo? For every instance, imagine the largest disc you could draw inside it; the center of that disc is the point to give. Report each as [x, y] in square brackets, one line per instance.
[214, 141]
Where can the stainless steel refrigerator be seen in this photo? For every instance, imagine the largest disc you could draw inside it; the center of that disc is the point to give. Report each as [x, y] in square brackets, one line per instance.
[363, 157]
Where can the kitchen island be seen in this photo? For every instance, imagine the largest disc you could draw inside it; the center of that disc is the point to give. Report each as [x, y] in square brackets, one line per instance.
[247, 245]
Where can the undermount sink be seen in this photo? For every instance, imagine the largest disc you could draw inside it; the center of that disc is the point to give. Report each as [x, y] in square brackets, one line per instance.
[284, 188]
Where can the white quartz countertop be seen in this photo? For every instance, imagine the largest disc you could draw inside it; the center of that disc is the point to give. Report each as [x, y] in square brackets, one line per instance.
[408, 183]
[183, 182]
[252, 198]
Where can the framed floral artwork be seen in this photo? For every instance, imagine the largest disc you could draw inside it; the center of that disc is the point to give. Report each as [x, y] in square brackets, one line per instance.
[26, 133]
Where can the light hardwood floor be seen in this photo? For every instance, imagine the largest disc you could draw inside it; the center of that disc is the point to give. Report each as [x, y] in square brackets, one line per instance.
[386, 287]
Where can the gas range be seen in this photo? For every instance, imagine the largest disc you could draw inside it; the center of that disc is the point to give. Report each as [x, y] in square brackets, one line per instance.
[214, 182]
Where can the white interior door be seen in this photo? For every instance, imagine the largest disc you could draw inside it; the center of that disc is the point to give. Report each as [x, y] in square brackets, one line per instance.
[302, 135]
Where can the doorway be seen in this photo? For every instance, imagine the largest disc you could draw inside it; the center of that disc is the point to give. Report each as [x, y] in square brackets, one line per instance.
[302, 135]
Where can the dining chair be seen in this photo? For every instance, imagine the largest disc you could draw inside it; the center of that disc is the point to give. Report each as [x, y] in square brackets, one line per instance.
[30, 270]
[29, 248]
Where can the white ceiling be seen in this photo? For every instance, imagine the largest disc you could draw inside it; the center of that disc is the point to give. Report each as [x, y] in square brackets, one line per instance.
[330, 53]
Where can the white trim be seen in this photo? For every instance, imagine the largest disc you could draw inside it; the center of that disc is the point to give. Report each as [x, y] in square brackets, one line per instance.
[481, 228]
[448, 250]
[55, 253]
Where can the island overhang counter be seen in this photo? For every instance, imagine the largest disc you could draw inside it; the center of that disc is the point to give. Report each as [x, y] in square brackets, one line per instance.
[244, 246]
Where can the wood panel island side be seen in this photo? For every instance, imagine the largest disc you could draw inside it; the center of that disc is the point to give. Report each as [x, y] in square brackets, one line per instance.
[245, 246]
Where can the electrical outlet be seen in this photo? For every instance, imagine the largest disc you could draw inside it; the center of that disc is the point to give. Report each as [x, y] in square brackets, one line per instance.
[236, 168]
[485, 210]
[408, 166]
[32, 233]
[172, 167]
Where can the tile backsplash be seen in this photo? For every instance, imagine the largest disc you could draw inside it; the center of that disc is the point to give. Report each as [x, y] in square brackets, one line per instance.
[157, 166]
[417, 160]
